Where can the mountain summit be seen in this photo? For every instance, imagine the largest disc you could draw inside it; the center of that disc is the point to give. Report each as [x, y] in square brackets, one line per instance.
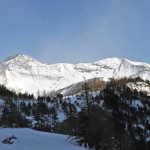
[20, 58]
[22, 73]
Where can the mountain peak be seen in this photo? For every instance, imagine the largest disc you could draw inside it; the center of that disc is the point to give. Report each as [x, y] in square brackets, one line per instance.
[20, 58]
[16, 57]
[110, 60]
[25, 74]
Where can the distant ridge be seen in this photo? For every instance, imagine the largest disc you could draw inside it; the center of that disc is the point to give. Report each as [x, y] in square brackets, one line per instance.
[23, 73]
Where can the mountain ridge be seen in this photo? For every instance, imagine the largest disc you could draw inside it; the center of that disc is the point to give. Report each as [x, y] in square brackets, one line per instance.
[23, 73]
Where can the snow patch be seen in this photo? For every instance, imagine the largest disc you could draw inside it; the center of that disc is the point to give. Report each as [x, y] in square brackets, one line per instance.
[29, 139]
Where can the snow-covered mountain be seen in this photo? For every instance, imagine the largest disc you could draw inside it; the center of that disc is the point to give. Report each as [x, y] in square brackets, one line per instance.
[22, 73]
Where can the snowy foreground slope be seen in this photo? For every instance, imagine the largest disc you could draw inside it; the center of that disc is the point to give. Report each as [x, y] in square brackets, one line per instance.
[29, 139]
[22, 73]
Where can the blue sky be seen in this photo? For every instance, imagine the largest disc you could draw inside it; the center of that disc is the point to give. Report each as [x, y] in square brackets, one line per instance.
[75, 30]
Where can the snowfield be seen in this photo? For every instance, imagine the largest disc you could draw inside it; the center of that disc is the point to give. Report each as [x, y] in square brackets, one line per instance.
[29, 139]
[22, 73]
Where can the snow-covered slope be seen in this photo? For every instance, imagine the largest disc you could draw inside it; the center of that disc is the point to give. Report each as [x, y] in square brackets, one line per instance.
[140, 86]
[22, 73]
[29, 139]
